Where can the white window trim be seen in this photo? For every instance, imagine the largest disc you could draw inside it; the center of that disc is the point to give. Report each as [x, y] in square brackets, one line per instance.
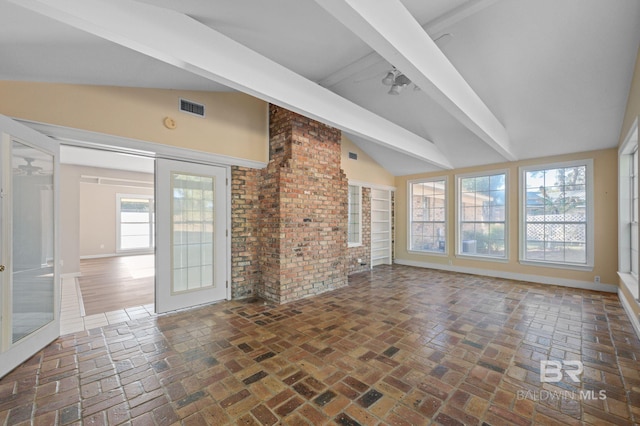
[119, 197]
[625, 198]
[588, 266]
[359, 242]
[446, 216]
[458, 242]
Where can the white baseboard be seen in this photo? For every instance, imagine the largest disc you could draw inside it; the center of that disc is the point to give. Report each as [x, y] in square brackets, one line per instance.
[627, 308]
[97, 256]
[70, 275]
[585, 285]
[119, 254]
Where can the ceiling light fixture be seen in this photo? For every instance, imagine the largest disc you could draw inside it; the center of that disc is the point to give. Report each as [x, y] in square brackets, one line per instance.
[391, 77]
[396, 80]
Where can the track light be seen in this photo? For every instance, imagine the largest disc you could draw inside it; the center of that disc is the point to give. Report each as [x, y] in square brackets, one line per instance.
[395, 90]
[390, 78]
[396, 80]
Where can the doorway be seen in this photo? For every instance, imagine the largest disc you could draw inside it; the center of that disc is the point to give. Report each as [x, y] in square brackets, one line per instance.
[186, 209]
[195, 208]
[114, 238]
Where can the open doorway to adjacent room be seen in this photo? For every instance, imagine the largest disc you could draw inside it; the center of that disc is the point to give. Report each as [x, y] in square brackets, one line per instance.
[108, 215]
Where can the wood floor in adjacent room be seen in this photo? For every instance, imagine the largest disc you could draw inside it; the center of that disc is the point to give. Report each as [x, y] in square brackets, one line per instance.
[398, 346]
[114, 283]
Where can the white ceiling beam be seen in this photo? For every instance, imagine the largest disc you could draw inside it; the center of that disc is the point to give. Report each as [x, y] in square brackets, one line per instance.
[181, 41]
[456, 15]
[433, 27]
[389, 28]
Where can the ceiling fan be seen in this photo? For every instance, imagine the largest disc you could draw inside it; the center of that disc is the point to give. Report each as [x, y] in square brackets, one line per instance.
[29, 169]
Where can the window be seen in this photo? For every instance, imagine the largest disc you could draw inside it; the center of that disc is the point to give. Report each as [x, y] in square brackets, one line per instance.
[556, 221]
[355, 216]
[628, 238]
[428, 215]
[482, 217]
[135, 222]
[633, 183]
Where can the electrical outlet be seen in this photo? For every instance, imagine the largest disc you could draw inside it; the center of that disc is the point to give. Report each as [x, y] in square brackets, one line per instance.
[359, 260]
[596, 279]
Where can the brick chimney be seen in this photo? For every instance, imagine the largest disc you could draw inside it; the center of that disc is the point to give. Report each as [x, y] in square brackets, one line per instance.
[302, 230]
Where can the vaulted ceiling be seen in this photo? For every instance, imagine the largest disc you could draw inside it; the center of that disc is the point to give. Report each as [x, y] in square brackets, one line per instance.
[491, 80]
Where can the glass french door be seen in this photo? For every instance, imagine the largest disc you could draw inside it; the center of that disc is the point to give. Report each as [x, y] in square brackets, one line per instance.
[29, 275]
[191, 228]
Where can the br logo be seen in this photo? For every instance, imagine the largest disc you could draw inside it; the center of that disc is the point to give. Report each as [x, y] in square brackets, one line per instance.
[552, 371]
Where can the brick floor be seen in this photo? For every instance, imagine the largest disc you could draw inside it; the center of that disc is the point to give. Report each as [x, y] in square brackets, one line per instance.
[399, 346]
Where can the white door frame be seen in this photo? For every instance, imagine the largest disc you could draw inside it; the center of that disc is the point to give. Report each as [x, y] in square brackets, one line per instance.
[14, 354]
[88, 139]
[167, 297]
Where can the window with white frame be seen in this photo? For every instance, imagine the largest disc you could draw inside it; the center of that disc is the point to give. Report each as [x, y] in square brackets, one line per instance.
[428, 215]
[628, 212]
[355, 216]
[135, 217]
[556, 225]
[633, 183]
[482, 215]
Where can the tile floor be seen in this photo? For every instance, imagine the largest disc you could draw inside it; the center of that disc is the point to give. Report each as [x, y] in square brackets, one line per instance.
[73, 318]
[399, 346]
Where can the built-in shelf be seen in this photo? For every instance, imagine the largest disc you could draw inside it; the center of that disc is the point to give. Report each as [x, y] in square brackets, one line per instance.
[380, 227]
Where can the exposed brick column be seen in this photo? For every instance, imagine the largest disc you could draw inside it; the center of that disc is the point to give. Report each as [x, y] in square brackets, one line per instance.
[303, 210]
[245, 215]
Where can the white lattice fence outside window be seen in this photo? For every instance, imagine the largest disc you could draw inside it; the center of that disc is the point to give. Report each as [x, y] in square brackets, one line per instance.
[557, 227]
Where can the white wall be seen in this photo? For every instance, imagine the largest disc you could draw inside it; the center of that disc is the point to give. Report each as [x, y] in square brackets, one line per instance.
[88, 212]
[98, 214]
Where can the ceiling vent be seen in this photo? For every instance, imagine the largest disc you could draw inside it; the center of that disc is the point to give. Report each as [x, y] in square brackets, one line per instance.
[191, 107]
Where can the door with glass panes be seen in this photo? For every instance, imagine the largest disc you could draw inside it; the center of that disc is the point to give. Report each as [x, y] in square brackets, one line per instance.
[191, 229]
[29, 255]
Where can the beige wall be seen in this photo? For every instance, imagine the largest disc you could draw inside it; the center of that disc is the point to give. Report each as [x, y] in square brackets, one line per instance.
[69, 219]
[632, 113]
[606, 210]
[88, 220]
[98, 210]
[365, 168]
[235, 124]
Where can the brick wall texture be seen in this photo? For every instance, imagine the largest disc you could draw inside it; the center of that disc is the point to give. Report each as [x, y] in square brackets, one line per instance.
[245, 213]
[289, 220]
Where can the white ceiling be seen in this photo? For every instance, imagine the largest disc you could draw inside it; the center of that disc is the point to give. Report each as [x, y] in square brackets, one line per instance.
[106, 159]
[553, 74]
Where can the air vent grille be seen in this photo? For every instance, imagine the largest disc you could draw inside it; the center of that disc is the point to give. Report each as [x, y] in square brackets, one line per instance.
[353, 156]
[191, 107]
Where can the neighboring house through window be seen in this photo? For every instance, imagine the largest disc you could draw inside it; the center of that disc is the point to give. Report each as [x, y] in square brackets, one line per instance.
[482, 215]
[428, 215]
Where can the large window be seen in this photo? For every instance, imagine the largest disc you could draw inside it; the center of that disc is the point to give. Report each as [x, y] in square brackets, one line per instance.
[633, 183]
[628, 238]
[482, 215]
[355, 216]
[557, 226]
[135, 222]
[428, 215]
